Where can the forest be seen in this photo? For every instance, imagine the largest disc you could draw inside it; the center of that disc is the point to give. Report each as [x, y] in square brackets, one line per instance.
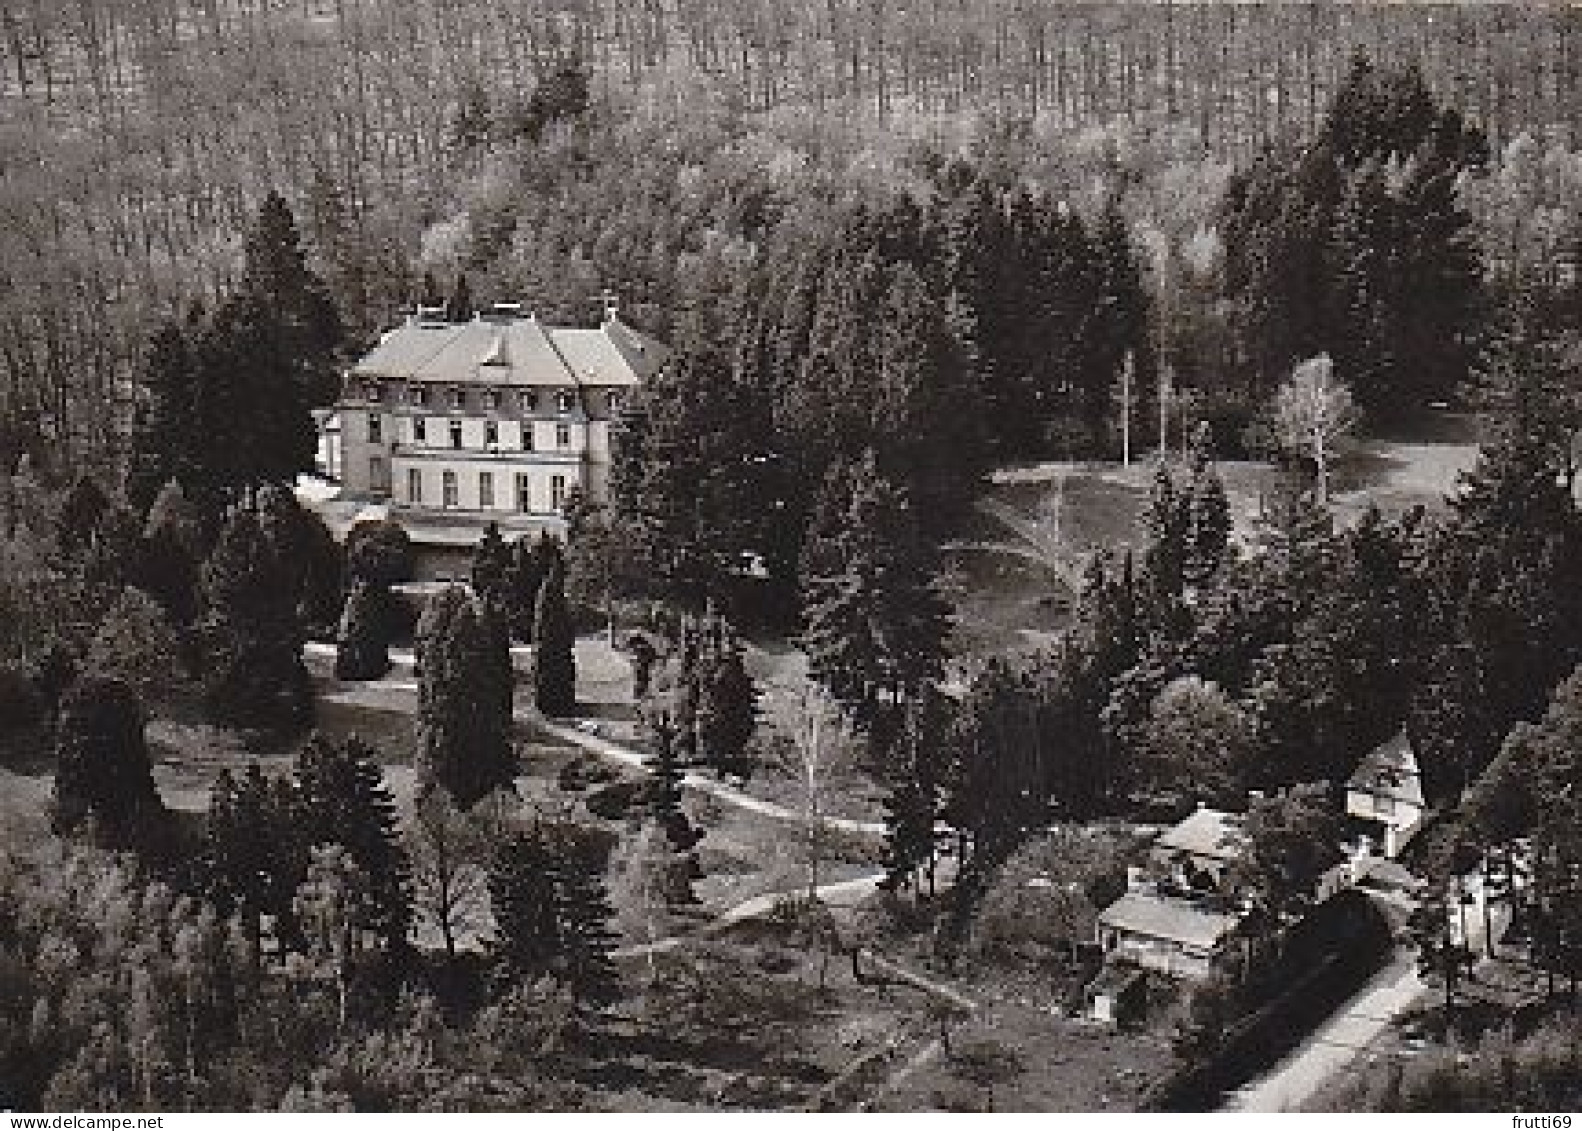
[1006, 234]
[141, 135]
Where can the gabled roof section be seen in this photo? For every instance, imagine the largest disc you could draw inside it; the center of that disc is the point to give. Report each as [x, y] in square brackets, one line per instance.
[1207, 832]
[514, 351]
[1174, 920]
[1391, 771]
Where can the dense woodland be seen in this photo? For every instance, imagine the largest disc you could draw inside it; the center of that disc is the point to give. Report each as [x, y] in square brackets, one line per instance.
[1007, 229]
[141, 137]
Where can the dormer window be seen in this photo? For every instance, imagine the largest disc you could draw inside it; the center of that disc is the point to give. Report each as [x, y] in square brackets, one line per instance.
[565, 400]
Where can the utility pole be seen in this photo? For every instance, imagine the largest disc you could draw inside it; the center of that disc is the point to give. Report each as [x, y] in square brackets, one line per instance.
[1126, 410]
[1164, 410]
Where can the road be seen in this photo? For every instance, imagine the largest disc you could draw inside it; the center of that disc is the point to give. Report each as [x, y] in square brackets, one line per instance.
[1330, 1048]
[1333, 1045]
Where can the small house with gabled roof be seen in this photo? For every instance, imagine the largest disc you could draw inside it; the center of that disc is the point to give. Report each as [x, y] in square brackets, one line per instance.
[1386, 793]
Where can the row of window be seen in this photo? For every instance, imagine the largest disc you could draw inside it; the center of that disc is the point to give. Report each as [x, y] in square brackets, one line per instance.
[525, 400]
[449, 488]
[491, 433]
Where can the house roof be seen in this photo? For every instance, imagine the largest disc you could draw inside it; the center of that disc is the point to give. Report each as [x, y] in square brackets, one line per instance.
[1173, 920]
[1206, 832]
[1390, 771]
[514, 350]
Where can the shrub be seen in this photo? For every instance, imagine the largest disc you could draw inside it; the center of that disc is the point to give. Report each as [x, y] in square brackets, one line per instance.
[21, 702]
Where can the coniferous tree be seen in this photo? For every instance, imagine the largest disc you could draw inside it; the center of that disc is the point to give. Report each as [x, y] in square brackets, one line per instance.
[342, 799]
[1208, 521]
[552, 916]
[554, 643]
[874, 623]
[531, 559]
[104, 780]
[459, 307]
[253, 859]
[173, 548]
[464, 705]
[252, 641]
[162, 428]
[727, 710]
[491, 569]
[362, 646]
[276, 277]
[913, 805]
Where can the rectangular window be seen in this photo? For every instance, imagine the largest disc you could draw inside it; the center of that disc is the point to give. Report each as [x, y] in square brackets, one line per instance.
[448, 487]
[557, 491]
[376, 428]
[455, 433]
[414, 485]
[527, 435]
[491, 399]
[615, 401]
[419, 430]
[524, 493]
[378, 474]
[529, 400]
[565, 401]
[455, 398]
[485, 490]
[419, 395]
[491, 434]
[562, 436]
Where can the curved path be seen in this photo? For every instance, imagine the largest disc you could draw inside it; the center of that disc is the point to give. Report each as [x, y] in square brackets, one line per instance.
[399, 694]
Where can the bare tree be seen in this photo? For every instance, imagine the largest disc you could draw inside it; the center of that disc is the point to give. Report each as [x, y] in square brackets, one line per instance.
[451, 849]
[1313, 416]
[819, 749]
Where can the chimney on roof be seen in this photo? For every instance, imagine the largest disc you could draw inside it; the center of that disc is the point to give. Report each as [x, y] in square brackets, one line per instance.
[504, 312]
[612, 305]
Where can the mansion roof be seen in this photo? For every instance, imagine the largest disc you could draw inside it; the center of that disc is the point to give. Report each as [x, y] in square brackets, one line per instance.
[509, 349]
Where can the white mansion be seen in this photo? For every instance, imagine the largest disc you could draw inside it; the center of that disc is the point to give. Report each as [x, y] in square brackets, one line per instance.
[493, 419]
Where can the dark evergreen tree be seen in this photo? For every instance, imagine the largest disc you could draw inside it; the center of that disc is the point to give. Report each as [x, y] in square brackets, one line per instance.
[464, 714]
[341, 799]
[252, 640]
[362, 644]
[162, 426]
[276, 277]
[1208, 522]
[173, 548]
[491, 570]
[552, 916]
[727, 710]
[874, 623]
[554, 643]
[531, 561]
[253, 859]
[104, 780]
[459, 307]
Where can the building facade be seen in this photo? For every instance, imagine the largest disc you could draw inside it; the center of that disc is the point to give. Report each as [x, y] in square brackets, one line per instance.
[496, 419]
